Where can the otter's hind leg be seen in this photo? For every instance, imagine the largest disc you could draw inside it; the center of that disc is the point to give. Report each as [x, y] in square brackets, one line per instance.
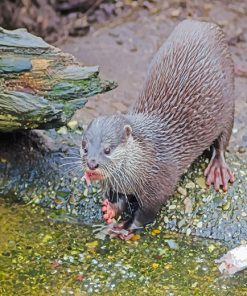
[218, 172]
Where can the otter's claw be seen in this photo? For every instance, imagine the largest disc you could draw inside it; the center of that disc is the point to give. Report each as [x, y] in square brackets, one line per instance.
[219, 174]
[109, 211]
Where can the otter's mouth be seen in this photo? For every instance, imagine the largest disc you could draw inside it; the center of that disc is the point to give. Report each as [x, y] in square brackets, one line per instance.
[93, 175]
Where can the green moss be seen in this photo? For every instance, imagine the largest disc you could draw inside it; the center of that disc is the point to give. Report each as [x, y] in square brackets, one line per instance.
[69, 89]
[40, 257]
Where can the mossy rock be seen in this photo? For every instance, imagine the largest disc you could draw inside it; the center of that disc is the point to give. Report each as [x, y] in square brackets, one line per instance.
[40, 86]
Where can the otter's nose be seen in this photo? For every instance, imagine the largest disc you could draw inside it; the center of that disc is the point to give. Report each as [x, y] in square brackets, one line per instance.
[92, 164]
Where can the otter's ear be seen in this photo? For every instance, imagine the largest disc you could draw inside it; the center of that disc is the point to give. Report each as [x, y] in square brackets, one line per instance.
[127, 132]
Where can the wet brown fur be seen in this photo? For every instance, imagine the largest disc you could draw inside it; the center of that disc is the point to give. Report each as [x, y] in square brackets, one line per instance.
[186, 105]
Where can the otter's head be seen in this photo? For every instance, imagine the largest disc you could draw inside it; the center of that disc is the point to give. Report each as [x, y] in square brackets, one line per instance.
[104, 146]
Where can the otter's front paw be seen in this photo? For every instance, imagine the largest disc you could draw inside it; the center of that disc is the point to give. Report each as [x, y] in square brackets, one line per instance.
[109, 211]
[119, 230]
[126, 236]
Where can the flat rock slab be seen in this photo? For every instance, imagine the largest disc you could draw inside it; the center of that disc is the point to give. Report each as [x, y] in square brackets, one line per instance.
[21, 38]
[40, 86]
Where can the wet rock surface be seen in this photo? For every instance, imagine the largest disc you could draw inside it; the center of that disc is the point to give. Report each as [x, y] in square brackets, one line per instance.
[198, 210]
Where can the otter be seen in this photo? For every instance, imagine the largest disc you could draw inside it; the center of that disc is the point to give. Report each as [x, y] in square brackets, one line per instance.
[185, 107]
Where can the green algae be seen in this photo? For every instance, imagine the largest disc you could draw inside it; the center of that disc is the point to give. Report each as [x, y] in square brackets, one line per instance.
[68, 89]
[41, 257]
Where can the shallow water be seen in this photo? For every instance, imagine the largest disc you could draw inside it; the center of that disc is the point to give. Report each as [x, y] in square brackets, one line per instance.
[41, 257]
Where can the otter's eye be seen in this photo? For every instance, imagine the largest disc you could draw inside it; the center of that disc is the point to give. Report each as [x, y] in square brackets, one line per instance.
[107, 150]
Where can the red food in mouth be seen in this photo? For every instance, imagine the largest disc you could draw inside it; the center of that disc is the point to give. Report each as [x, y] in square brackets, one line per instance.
[92, 175]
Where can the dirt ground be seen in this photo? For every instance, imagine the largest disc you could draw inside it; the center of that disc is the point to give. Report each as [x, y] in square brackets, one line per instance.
[124, 47]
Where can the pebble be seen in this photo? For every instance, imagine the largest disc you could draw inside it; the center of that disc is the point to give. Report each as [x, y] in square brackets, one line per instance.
[181, 223]
[201, 182]
[199, 224]
[182, 190]
[171, 243]
[175, 12]
[188, 231]
[63, 130]
[188, 205]
[190, 185]
[73, 124]
[226, 206]
[241, 149]
[166, 219]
